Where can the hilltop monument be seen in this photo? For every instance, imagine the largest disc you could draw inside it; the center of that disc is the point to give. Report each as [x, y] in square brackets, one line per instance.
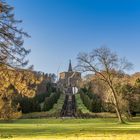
[69, 81]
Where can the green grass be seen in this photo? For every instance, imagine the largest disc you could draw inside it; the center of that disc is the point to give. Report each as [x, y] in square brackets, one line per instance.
[58, 106]
[80, 105]
[69, 128]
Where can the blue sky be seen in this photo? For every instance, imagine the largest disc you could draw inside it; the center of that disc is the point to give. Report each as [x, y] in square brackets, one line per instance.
[60, 29]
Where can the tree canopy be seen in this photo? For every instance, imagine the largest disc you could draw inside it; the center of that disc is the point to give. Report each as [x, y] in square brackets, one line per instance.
[108, 67]
[12, 52]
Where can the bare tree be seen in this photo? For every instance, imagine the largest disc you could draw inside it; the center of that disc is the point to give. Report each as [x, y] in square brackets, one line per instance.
[12, 52]
[107, 66]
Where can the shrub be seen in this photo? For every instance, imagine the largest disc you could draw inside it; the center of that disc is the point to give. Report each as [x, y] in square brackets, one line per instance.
[91, 101]
[28, 105]
[50, 101]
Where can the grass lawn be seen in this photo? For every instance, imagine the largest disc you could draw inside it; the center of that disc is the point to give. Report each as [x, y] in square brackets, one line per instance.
[70, 129]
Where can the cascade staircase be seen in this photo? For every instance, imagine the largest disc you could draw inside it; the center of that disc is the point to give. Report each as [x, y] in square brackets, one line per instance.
[69, 106]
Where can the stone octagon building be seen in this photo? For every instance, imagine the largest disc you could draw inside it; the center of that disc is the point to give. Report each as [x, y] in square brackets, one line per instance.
[69, 81]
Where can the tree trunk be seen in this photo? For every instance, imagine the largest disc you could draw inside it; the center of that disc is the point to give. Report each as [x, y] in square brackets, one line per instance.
[117, 106]
[119, 114]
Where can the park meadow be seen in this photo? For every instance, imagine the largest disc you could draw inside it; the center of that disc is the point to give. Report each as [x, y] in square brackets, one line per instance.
[75, 82]
[70, 129]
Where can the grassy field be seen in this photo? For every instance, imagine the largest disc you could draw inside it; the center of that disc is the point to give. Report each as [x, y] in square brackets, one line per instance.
[70, 129]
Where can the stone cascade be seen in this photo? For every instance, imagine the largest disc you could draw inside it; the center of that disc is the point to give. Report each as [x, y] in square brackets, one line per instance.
[69, 107]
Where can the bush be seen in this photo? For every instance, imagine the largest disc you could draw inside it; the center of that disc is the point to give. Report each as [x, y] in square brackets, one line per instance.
[50, 101]
[28, 105]
[96, 104]
[86, 100]
[91, 101]
[79, 105]
[41, 97]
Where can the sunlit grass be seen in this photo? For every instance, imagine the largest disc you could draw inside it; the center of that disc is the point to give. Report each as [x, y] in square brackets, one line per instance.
[82, 129]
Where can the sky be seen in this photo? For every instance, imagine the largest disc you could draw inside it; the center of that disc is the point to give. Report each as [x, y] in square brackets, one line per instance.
[60, 29]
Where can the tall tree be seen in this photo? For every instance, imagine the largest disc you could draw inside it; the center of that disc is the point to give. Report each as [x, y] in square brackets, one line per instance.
[107, 66]
[12, 52]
